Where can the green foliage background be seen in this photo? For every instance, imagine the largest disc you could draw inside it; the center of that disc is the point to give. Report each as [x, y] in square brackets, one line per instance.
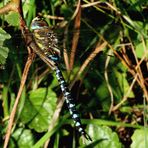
[123, 24]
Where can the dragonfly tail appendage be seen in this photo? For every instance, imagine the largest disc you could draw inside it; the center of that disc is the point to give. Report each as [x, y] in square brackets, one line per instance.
[87, 136]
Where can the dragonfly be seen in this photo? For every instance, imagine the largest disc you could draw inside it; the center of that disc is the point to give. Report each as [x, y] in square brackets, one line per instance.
[54, 55]
[47, 41]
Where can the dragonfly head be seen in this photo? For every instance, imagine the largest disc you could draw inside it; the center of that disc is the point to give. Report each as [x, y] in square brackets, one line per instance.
[38, 23]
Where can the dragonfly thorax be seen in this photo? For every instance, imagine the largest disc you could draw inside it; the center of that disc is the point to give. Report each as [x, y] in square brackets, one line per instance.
[44, 37]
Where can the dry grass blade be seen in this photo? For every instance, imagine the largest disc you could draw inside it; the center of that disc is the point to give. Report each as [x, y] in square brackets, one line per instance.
[107, 81]
[53, 17]
[65, 53]
[126, 95]
[76, 36]
[90, 4]
[55, 117]
[98, 49]
[13, 112]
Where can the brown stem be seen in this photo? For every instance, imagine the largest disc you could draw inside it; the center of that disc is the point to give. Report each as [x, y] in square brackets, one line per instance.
[65, 53]
[55, 117]
[13, 5]
[76, 36]
[13, 112]
[98, 49]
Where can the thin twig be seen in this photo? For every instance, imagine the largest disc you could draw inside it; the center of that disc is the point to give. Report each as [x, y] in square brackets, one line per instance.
[125, 56]
[53, 17]
[98, 49]
[90, 4]
[126, 95]
[107, 82]
[140, 76]
[65, 53]
[55, 117]
[75, 36]
[13, 112]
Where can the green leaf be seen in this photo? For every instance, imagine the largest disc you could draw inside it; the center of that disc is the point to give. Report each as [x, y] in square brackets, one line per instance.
[3, 48]
[119, 83]
[13, 19]
[103, 95]
[140, 138]
[39, 108]
[23, 137]
[29, 11]
[136, 25]
[26, 7]
[123, 84]
[140, 51]
[66, 10]
[103, 137]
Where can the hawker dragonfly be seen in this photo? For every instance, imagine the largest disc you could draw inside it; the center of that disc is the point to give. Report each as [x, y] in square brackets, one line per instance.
[55, 56]
[47, 41]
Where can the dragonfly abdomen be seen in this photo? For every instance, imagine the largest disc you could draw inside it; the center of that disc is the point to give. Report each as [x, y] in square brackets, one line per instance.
[70, 102]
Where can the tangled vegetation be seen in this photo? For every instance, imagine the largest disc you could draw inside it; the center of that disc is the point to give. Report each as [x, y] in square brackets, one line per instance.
[104, 60]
